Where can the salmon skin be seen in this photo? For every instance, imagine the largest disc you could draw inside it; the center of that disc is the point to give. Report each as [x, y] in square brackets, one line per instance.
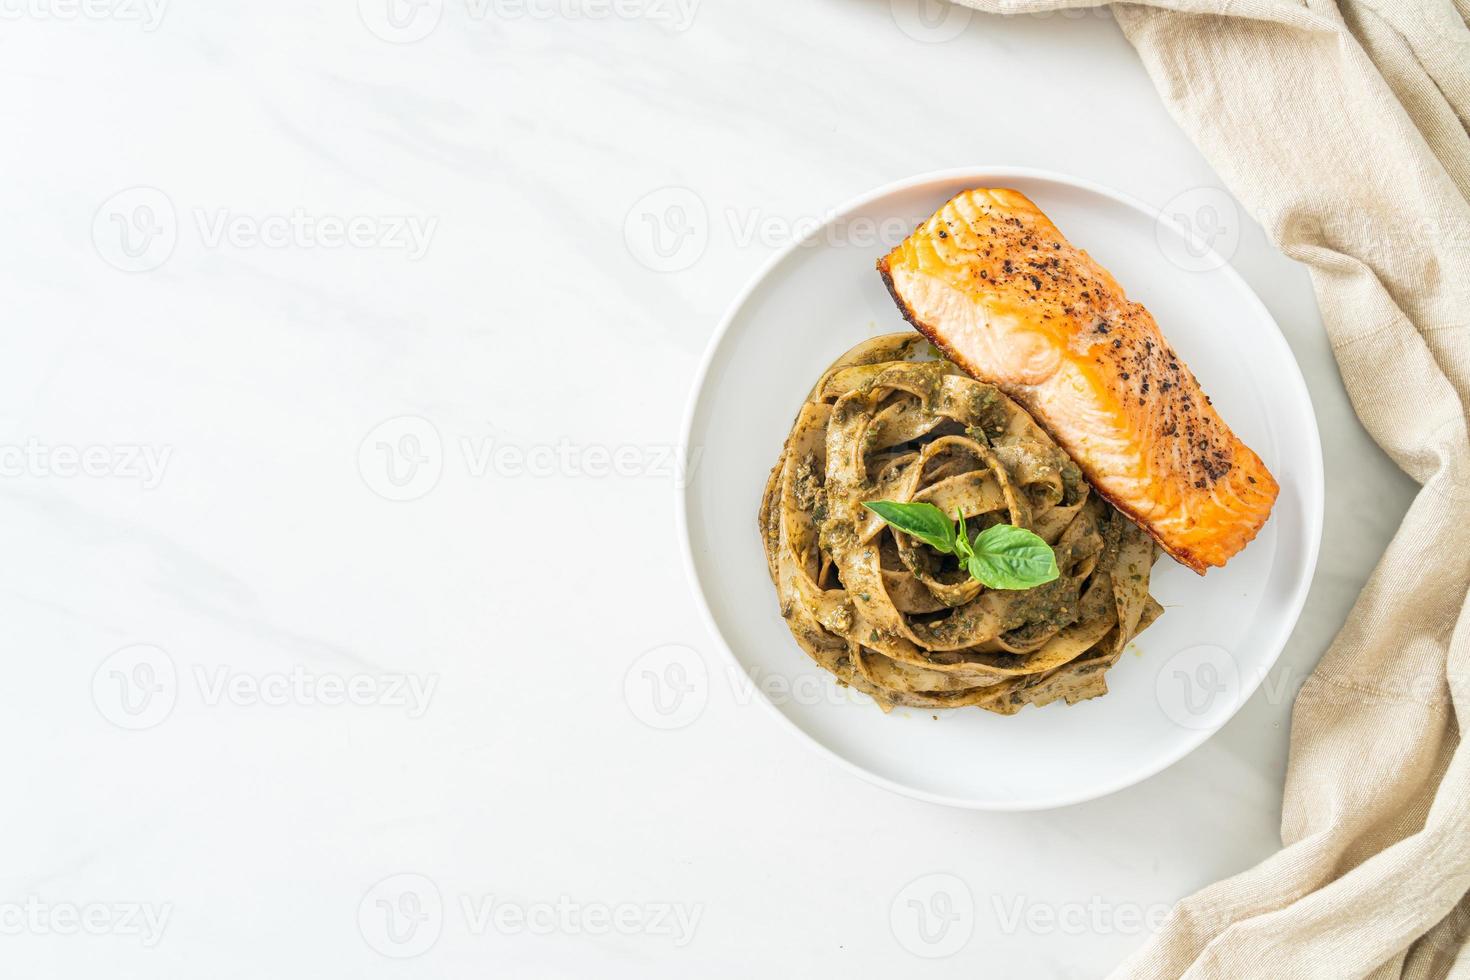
[994, 285]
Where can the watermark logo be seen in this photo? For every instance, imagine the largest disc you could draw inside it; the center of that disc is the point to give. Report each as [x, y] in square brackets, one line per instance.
[667, 687]
[400, 21]
[135, 230]
[933, 916]
[930, 21]
[667, 230]
[402, 458]
[1199, 229]
[136, 687]
[401, 916]
[1199, 687]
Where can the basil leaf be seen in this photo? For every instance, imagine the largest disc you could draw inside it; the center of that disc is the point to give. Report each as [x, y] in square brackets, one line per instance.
[961, 537]
[1010, 557]
[924, 521]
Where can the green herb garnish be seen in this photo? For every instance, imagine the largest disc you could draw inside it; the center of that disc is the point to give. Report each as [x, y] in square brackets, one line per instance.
[1000, 557]
[923, 521]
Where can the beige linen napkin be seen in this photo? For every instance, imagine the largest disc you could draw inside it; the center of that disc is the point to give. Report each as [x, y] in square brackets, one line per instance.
[1342, 127]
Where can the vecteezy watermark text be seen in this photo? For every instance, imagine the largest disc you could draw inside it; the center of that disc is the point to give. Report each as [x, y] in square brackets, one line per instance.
[35, 917]
[137, 230]
[677, 15]
[935, 916]
[299, 228]
[124, 461]
[567, 916]
[1097, 916]
[669, 229]
[147, 14]
[299, 686]
[403, 916]
[404, 458]
[408, 21]
[668, 687]
[137, 687]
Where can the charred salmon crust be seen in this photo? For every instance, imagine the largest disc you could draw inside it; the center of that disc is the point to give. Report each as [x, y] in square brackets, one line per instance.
[992, 283]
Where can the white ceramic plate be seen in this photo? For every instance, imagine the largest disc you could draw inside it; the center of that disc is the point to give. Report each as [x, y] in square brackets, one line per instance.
[1184, 677]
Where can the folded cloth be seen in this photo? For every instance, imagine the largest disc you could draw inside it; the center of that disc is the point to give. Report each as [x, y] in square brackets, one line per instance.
[1343, 128]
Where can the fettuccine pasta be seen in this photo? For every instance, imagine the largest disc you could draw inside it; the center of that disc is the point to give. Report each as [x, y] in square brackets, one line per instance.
[894, 618]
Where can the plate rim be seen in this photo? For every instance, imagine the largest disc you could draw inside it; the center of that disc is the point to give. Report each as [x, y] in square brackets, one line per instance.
[1315, 503]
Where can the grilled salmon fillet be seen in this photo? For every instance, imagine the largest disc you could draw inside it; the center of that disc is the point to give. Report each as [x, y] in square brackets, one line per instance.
[992, 282]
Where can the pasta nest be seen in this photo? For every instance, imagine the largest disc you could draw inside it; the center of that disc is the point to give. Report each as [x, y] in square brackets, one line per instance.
[892, 617]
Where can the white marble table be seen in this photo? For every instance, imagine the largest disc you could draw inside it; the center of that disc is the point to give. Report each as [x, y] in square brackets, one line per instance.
[339, 380]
